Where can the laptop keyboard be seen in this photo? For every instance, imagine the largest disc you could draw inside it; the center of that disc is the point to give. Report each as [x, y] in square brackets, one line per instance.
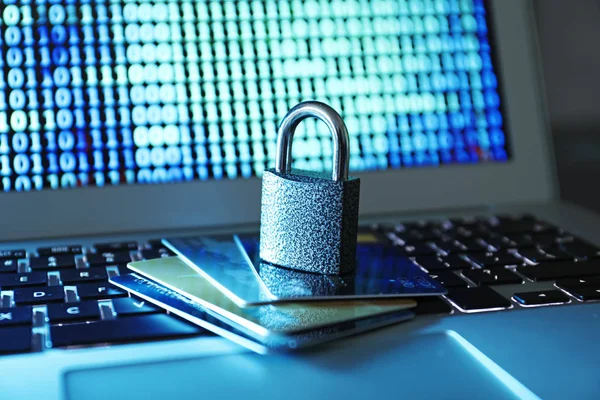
[472, 257]
[60, 296]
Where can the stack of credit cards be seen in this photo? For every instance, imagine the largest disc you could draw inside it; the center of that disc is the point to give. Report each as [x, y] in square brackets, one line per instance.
[219, 283]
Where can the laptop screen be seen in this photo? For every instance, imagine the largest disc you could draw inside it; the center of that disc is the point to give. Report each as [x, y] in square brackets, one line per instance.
[108, 92]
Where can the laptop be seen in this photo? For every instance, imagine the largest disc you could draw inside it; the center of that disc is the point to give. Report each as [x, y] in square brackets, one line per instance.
[124, 122]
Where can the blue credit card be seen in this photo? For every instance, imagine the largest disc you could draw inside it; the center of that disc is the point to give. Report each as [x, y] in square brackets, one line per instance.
[224, 264]
[193, 312]
[232, 264]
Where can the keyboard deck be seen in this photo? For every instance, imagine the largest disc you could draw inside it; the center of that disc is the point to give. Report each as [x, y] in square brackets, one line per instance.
[59, 297]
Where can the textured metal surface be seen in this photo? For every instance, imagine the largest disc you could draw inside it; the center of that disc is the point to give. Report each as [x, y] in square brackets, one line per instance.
[335, 124]
[309, 222]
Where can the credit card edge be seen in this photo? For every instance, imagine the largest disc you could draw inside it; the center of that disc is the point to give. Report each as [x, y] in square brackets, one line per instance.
[365, 325]
[246, 256]
[250, 344]
[234, 324]
[227, 314]
[259, 329]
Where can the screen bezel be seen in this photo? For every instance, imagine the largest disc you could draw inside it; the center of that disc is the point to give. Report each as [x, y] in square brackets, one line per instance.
[528, 175]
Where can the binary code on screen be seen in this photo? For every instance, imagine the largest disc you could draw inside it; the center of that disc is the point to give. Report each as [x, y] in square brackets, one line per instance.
[96, 93]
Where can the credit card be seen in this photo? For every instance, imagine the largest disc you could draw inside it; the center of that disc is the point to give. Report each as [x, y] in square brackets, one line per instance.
[382, 271]
[191, 311]
[263, 320]
[221, 260]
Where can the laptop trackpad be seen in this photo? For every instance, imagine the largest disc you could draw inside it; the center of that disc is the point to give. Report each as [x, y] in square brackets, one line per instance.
[425, 366]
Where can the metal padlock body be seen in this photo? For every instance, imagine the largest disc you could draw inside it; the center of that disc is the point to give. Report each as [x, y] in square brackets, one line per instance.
[309, 222]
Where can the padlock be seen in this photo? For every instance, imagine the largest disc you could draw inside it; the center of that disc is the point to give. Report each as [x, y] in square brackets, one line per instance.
[309, 220]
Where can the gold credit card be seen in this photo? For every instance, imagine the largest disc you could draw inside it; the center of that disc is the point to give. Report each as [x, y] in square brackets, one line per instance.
[265, 320]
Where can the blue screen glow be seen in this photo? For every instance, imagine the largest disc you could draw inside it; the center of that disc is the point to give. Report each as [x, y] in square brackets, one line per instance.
[108, 92]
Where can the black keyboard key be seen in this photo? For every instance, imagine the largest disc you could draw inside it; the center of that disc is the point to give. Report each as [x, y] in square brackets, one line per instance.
[414, 236]
[448, 279]
[557, 254]
[576, 282]
[559, 270]
[4, 254]
[418, 249]
[83, 275]
[456, 233]
[585, 292]
[541, 298]
[499, 258]
[522, 226]
[538, 255]
[579, 249]
[521, 241]
[495, 276]
[454, 261]
[16, 316]
[432, 263]
[108, 258]
[432, 305]
[15, 340]
[69, 312]
[463, 244]
[133, 329]
[59, 250]
[548, 239]
[8, 265]
[150, 254]
[500, 242]
[382, 228]
[99, 291]
[52, 262]
[112, 247]
[498, 219]
[129, 306]
[416, 225]
[585, 289]
[477, 299]
[449, 246]
[532, 254]
[11, 281]
[157, 243]
[466, 222]
[124, 270]
[527, 217]
[473, 245]
[50, 294]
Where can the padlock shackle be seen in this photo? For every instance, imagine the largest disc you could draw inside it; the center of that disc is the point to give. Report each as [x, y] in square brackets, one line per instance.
[335, 124]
